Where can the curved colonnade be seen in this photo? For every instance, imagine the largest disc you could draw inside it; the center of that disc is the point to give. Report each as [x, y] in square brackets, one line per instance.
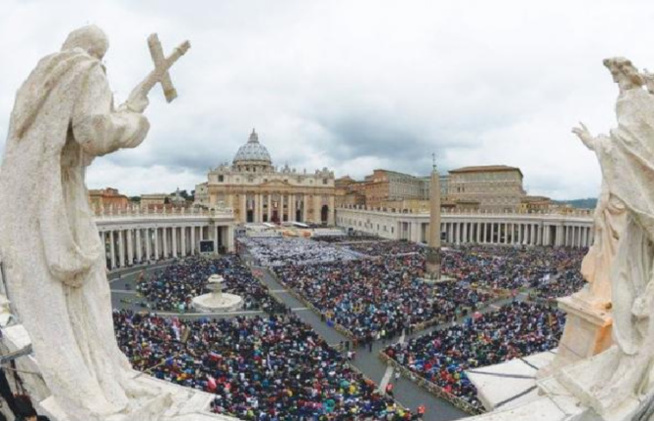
[571, 229]
[135, 236]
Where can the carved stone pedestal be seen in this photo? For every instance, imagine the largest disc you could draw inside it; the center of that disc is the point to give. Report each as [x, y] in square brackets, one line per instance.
[587, 333]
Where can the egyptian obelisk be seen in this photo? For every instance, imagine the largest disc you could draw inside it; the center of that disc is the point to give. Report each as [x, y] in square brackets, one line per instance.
[434, 253]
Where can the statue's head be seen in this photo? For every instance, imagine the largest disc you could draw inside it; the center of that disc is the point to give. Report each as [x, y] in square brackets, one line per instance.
[624, 72]
[89, 38]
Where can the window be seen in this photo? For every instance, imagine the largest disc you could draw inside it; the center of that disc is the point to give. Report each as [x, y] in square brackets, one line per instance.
[324, 181]
[221, 178]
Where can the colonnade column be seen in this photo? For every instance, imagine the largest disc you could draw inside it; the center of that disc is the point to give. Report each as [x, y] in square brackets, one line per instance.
[131, 252]
[121, 248]
[148, 246]
[156, 243]
[184, 249]
[164, 237]
[112, 248]
[139, 246]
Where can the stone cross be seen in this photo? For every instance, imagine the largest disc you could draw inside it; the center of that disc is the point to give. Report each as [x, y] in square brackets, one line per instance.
[161, 65]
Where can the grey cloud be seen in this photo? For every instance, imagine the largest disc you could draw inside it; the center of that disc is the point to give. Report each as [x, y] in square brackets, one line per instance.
[353, 85]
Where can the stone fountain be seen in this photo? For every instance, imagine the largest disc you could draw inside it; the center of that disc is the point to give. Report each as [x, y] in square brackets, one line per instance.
[216, 301]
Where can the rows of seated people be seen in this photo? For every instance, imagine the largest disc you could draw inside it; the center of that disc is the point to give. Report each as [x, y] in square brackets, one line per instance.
[378, 298]
[174, 287]
[515, 330]
[551, 272]
[259, 368]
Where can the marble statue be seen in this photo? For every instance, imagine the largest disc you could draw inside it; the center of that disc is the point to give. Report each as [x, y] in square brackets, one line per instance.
[623, 373]
[63, 117]
[609, 222]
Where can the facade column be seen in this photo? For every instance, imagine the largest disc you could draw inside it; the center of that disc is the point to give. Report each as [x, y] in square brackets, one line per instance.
[332, 212]
[215, 236]
[261, 208]
[269, 211]
[532, 235]
[291, 207]
[230, 238]
[243, 209]
[464, 239]
[193, 247]
[121, 249]
[305, 201]
[112, 248]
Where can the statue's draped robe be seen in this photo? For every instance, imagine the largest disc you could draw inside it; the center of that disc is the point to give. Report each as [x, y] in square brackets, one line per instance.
[55, 262]
[627, 161]
[609, 222]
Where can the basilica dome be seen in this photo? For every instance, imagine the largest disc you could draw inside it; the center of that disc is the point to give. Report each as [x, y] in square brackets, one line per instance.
[252, 152]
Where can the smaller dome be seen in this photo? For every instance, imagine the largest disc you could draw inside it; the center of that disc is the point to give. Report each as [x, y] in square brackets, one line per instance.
[252, 151]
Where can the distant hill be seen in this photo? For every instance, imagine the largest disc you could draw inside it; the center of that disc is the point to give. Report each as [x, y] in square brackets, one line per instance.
[588, 203]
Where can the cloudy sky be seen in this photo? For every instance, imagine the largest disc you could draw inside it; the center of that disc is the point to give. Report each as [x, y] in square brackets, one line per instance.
[352, 85]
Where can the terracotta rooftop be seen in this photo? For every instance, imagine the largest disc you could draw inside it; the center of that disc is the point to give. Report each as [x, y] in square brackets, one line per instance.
[486, 168]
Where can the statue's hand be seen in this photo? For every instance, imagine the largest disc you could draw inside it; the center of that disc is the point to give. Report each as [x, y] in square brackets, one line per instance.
[137, 101]
[584, 134]
[640, 308]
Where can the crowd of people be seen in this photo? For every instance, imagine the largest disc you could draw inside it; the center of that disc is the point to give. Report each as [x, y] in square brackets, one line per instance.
[516, 330]
[378, 298]
[174, 287]
[347, 238]
[259, 368]
[275, 366]
[552, 272]
[279, 251]
[386, 248]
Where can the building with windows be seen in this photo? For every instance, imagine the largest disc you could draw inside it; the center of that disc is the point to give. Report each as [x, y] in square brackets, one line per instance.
[258, 192]
[108, 198]
[490, 187]
[383, 186]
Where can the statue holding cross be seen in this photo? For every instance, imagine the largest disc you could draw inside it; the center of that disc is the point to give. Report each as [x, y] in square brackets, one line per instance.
[63, 117]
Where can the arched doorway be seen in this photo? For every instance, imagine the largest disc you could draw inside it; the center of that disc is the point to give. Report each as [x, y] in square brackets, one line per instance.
[324, 214]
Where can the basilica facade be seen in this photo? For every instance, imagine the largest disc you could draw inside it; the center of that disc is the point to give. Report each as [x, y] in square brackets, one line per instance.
[258, 192]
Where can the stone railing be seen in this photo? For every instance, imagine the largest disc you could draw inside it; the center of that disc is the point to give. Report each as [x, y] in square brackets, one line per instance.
[445, 211]
[138, 211]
